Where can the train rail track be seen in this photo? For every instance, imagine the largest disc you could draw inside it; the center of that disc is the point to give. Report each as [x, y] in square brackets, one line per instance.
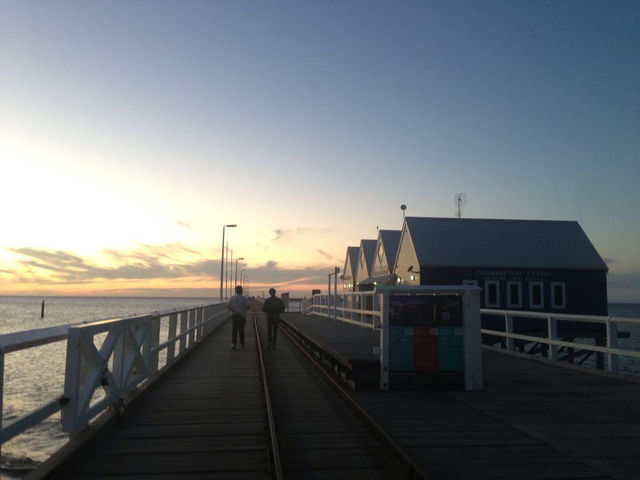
[316, 428]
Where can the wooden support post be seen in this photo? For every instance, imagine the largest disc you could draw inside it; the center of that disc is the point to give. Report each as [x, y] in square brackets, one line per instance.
[612, 342]
[508, 328]
[601, 342]
[552, 334]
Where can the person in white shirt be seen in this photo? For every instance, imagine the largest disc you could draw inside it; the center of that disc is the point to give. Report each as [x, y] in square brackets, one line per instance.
[238, 304]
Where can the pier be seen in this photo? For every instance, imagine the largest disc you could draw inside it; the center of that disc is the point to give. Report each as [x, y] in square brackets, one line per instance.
[313, 409]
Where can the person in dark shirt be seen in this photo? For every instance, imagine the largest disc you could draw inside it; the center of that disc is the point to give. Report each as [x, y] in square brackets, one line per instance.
[273, 307]
[238, 304]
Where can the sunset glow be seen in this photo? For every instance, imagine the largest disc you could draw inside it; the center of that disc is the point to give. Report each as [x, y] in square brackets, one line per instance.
[129, 138]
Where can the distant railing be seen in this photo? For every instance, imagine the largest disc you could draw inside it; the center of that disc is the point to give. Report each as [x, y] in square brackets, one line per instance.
[363, 308]
[107, 360]
[358, 308]
[552, 340]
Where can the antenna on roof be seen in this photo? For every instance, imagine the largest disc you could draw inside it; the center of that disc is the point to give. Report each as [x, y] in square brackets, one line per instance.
[461, 201]
[403, 207]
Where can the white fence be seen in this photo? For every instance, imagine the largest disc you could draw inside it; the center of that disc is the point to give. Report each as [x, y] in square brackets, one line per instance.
[553, 342]
[363, 308]
[107, 360]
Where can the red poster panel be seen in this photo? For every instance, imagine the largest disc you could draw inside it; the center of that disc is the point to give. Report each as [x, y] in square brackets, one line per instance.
[425, 349]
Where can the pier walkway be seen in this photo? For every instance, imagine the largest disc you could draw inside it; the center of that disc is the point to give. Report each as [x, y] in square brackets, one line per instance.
[206, 418]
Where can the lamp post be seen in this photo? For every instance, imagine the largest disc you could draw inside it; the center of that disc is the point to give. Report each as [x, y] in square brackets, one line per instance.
[241, 258]
[242, 277]
[222, 259]
[228, 292]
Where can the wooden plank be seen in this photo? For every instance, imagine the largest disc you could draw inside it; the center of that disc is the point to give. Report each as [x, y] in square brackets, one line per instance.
[206, 418]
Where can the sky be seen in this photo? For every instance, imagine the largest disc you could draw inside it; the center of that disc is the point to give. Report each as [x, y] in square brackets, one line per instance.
[132, 131]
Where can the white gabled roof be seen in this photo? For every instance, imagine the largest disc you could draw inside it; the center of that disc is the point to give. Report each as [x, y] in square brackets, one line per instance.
[390, 240]
[367, 250]
[351, 261]
[465, 242]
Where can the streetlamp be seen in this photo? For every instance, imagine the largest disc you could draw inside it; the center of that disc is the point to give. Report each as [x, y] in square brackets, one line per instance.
[242, 277]
[241, 258]
[222, 259]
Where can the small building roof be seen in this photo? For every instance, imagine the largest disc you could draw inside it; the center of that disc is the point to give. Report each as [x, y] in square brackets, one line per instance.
[390, 240]
[365, 258]
[351, 263]
[465, 242]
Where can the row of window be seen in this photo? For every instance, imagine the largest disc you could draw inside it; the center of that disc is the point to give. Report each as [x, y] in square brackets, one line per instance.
[514, 294]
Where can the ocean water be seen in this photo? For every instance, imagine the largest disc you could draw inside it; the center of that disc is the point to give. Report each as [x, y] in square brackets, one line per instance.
[36, 375]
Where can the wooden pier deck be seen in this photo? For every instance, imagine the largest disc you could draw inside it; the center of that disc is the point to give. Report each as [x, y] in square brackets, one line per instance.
[533, 420]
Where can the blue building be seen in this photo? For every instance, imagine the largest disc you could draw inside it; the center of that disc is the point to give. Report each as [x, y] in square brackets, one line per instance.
[535, 265]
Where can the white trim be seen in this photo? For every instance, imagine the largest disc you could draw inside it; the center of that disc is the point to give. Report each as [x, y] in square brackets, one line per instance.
[487, 284]
[538, 284]
[510, 302]
[554, 302]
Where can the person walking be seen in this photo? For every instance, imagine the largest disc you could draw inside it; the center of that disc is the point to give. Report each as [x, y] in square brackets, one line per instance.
[238, 304]
[273, 307]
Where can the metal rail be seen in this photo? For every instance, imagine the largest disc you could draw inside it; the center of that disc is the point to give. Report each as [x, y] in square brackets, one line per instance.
[413, 469]
[275, 452]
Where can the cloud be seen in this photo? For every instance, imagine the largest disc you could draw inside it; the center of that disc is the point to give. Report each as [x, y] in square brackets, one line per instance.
[328, 256]
[287, 234]
[148, 262]
[184, 224]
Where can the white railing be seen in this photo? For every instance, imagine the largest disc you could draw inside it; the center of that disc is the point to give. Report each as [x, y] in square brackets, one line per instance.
[553, 342]
[358, 308]
[107, 360]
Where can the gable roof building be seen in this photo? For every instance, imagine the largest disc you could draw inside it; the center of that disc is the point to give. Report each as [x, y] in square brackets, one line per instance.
[365, 260]
[350, 269]
[384, 258]
[520, 264]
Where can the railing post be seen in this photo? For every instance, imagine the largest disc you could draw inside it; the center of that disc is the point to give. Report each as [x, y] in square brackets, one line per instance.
[72, 382]
[472, 340]
[612, 342]
[199, 316]
[552, 334]
[153, 340]
[184, 317]
[508, 328]
[384, 341]
[192, 322]
[173, 324]
[119, 356]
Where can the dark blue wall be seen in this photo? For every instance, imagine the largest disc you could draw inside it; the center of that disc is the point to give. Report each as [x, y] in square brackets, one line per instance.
[585, 291]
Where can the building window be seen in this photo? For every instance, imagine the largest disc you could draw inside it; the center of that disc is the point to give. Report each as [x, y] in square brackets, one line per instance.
[536, 294]
[514, 294]
[492, 294]
[558, 295]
